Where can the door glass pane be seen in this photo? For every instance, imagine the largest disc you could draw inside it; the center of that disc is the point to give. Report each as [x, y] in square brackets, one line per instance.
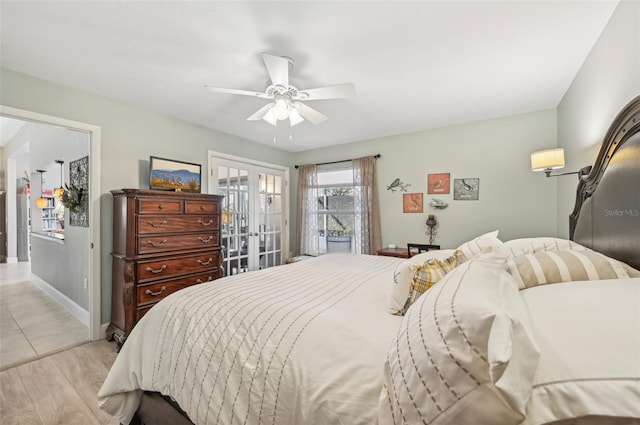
[252, 216]
[233, 185]
[270, 220]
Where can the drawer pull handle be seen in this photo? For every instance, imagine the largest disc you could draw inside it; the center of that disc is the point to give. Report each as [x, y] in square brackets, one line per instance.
[205, 224]
[160, 270]
[152, 243]
[202, 207]
[155, 294]
[201, 281]
[161, 206]
[205, 240]
[205, 263]
[162, 223]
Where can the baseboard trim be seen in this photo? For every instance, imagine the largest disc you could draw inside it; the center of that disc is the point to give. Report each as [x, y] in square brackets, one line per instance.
[73, 308]
[12, 260]
[103, 330]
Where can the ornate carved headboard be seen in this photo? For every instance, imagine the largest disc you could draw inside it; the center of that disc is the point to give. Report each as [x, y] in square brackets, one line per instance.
[606, 216]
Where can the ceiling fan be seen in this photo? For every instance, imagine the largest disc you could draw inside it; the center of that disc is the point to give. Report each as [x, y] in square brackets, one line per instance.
[287, 99]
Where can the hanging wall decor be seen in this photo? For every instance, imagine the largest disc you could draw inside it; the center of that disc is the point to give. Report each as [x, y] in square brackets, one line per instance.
[438, 183]
[466, 189]
[397, 184]
[79, 186]
[412, 202]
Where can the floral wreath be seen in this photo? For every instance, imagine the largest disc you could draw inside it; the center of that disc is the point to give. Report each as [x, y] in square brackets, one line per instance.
[72, 197]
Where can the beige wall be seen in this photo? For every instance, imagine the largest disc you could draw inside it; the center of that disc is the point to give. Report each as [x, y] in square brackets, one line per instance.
[129, 135]
[512, 198]
[607, 81]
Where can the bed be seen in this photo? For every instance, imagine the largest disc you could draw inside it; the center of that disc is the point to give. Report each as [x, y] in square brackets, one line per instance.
[486, 340]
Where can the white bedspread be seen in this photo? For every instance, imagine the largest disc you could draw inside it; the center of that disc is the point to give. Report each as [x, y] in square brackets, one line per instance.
[303, 343]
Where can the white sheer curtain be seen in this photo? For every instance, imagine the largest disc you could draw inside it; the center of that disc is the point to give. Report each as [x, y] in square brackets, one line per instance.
[307, 211]
[367, 217]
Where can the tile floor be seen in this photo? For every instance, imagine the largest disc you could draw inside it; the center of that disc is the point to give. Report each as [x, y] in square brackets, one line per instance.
[32, 324]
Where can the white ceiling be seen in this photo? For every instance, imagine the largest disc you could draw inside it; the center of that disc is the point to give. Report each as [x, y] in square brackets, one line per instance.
[415, 65]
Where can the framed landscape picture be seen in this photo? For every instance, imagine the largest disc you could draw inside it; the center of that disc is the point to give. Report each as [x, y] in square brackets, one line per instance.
[177, 176]
[466, 189]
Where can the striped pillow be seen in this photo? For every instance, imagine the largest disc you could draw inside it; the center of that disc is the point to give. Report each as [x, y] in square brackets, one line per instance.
[541, 268]
[425, 275]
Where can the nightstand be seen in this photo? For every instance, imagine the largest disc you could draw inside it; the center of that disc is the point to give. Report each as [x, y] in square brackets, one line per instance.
[393, 252]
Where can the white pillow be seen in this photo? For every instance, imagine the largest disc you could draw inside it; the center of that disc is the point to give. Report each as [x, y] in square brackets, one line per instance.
[464, 353]
[589, 339]
[532, 245]
[480, 245]
[403, 275]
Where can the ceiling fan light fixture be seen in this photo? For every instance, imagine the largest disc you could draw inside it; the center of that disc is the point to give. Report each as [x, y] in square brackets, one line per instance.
[286, 98]
[270, 117]
[281, 108]
[295, 117]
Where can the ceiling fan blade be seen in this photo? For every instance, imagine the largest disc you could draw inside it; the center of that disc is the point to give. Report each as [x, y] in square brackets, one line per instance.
[339, 91]
[260, 113]
[309, 113]
[241, 92]
[278, 69]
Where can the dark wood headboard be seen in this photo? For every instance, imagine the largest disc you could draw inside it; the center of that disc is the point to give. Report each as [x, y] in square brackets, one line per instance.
[606, 216]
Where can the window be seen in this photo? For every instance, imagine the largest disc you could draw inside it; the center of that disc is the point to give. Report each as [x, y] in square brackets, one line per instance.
[336, 211]
[337, 208]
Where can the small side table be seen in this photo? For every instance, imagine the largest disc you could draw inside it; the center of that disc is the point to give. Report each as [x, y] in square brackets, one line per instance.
[393, 252]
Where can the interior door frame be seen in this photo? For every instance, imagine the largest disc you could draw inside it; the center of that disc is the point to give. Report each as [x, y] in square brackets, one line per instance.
[95, 328]
[213, 189]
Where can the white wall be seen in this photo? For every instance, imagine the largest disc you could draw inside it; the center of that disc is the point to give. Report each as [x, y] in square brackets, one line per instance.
[129, 135]
[70, 266]
[606, 82]
[512, 198]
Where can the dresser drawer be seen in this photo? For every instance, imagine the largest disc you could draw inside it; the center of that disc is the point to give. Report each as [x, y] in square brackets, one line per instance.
[154, 292]
[159, 206]
[200, 207]
[141, 311]
[172, 266]
[152, 244]
[181, 223]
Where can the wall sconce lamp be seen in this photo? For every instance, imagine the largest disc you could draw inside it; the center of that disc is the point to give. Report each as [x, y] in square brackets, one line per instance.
[41, 202]
[552, 159]
[60, 191]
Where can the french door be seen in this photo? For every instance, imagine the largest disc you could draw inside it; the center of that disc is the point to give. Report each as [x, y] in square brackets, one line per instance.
[254, 234]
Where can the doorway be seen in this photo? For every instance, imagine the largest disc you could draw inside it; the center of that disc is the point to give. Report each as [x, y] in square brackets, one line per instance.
[90, 251]
[254, 212]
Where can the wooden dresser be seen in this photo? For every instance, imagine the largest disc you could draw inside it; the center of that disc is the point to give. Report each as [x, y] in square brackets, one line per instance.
[162, 242]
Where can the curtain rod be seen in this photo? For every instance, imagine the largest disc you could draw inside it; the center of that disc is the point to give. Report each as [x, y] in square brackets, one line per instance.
[376, 156]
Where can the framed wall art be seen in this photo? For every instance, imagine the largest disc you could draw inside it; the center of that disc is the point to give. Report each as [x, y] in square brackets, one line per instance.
[439, 184]
[466, 189]
[412, 203]
[177, 176]
[79, 181]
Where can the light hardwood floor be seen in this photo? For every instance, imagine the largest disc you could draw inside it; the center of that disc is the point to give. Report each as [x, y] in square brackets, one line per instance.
[32, 324]
[58, 389]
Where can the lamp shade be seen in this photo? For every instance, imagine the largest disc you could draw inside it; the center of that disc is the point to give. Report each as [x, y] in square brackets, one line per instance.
[548, 159]
[41, 202]
[58, 192]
